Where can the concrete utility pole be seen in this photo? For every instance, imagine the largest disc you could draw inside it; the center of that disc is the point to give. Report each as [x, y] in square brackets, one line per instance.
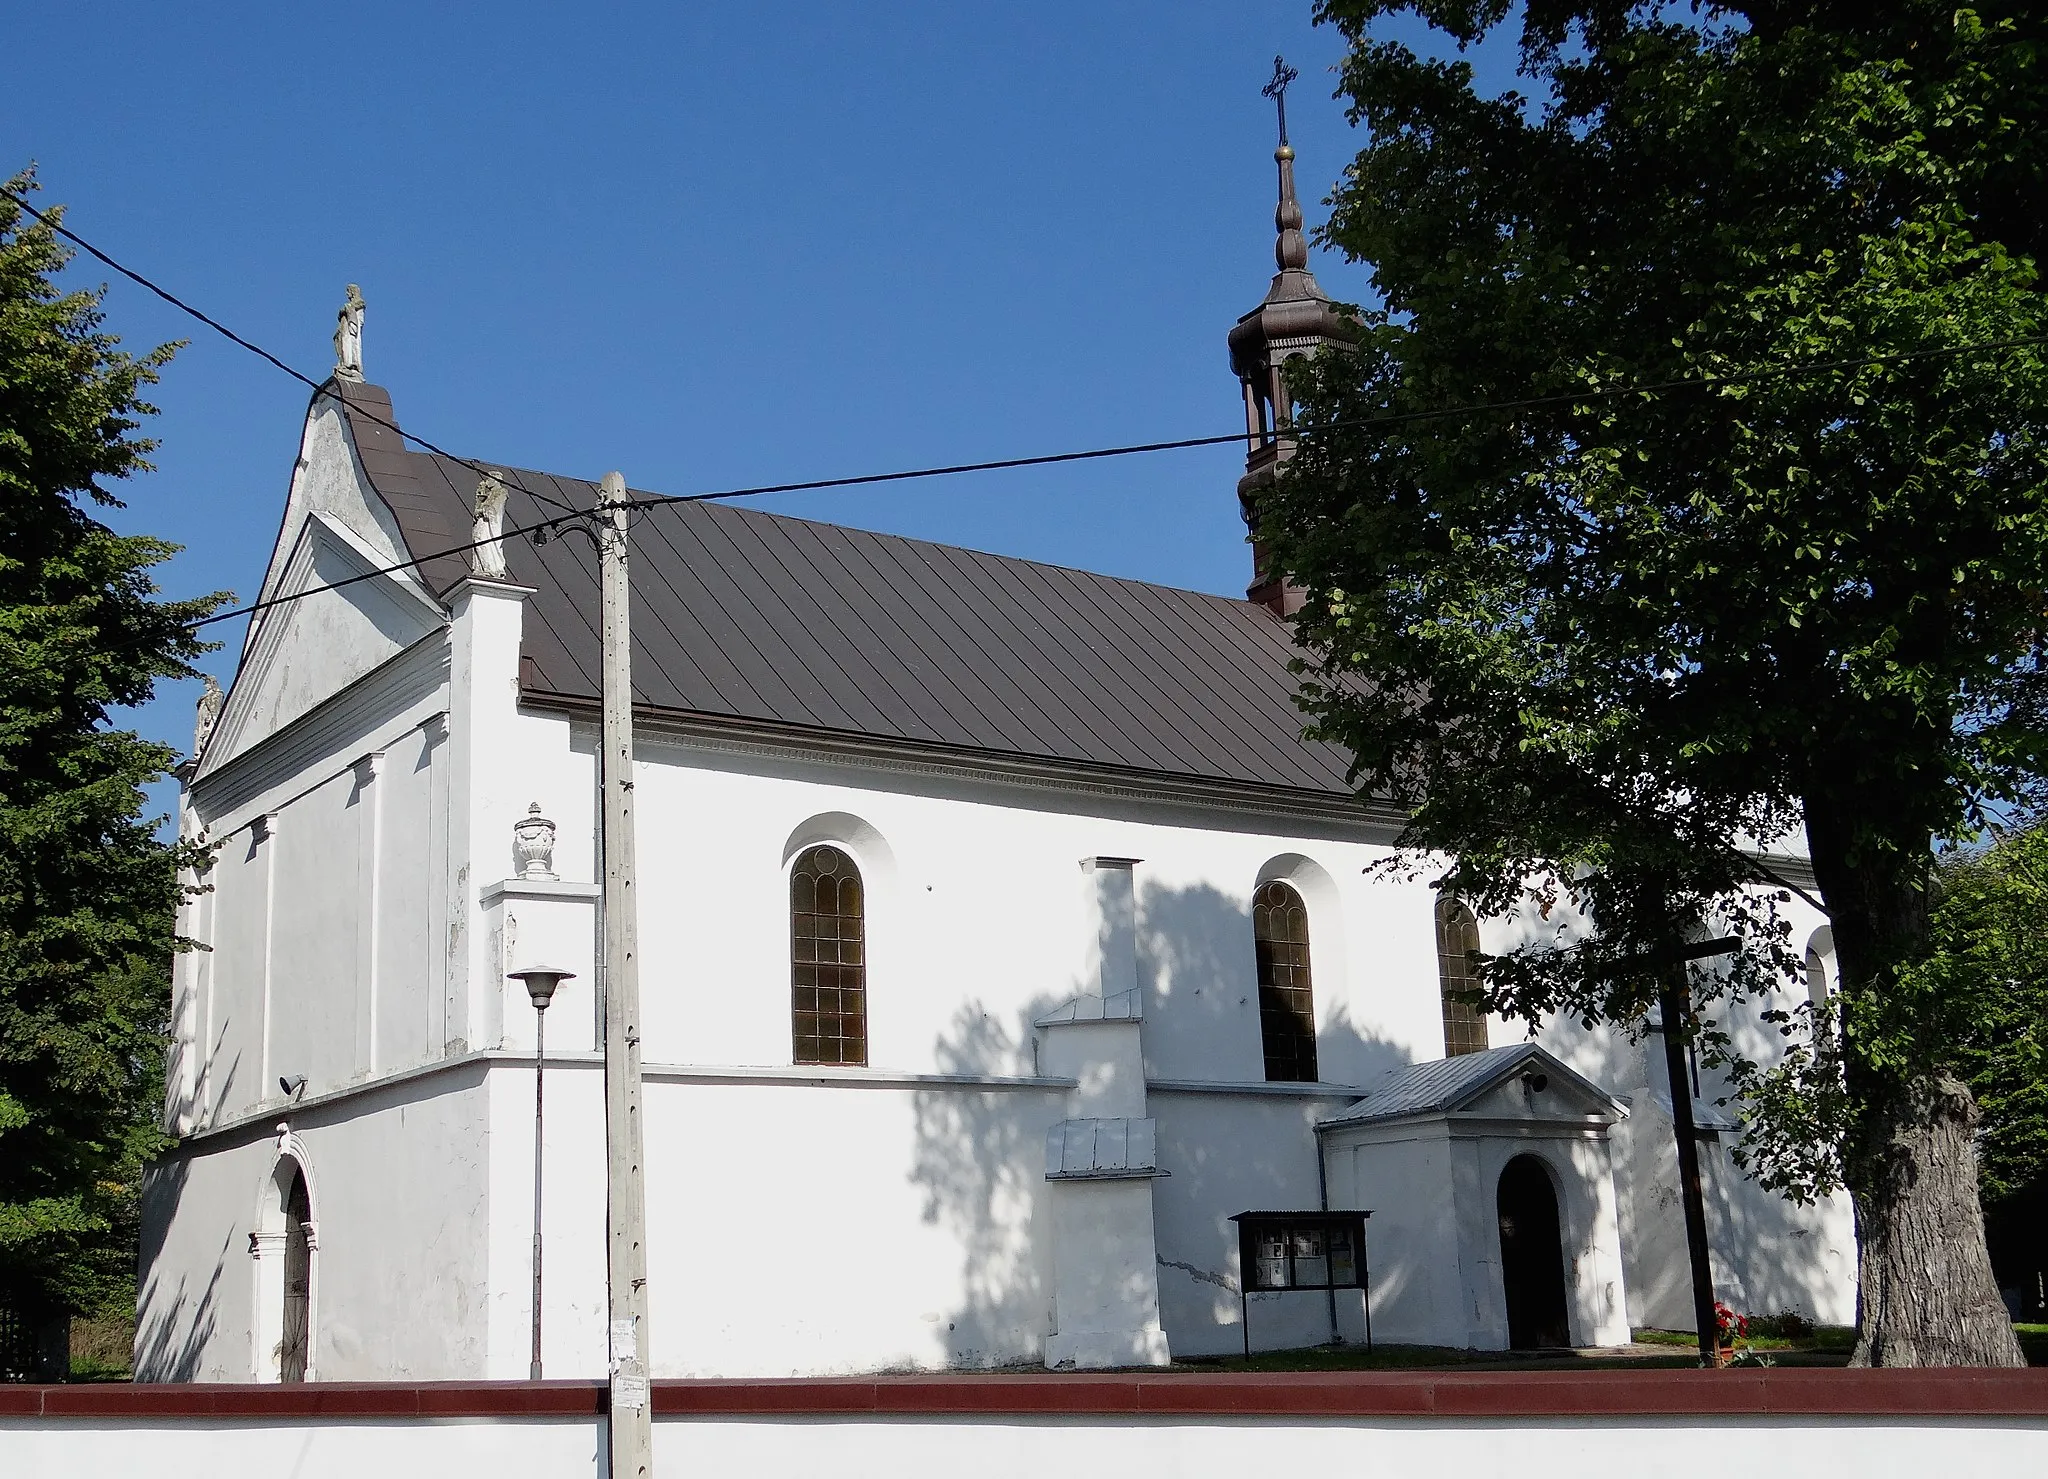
[630, 1427]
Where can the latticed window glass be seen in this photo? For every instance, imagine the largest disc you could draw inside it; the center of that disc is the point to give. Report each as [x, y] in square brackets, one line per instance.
[828, 959]
[1457, 942]
[1287, 1011]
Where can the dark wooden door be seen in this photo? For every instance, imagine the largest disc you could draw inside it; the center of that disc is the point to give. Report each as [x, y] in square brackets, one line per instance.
[1532, 1257]
[298, 1283]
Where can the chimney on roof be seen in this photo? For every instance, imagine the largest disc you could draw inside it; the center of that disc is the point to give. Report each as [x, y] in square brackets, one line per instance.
[1294, 321]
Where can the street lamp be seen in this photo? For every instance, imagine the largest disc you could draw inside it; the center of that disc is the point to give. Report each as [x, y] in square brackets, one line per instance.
[541, 981]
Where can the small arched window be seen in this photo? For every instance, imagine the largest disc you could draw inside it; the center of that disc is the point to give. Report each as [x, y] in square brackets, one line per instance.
[1287, 1011]
[828, 959]
[1457, 941]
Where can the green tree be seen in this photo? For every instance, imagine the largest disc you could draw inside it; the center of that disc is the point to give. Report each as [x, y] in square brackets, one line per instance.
[88, 892]
[1987, 964]
[1593, 642]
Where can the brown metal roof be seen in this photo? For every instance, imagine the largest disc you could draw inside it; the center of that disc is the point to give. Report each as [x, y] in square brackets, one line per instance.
[771, 620]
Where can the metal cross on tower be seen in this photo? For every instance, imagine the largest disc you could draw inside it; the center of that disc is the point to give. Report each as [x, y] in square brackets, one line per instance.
[1277, 90]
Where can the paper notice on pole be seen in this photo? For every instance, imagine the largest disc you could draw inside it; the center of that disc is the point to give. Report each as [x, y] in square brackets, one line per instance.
[624, 1345]
[629, 1391]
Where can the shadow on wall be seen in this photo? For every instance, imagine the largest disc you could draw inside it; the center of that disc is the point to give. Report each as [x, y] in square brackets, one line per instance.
[980, 1155]
[1200, 976]
[174, 1326]
[980, 1164]
[1241, 1153]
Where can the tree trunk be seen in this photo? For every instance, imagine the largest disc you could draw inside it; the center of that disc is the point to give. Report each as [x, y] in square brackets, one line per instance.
[1927, 1295]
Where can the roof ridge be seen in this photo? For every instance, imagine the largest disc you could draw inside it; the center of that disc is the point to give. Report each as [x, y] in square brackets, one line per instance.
[763, 513]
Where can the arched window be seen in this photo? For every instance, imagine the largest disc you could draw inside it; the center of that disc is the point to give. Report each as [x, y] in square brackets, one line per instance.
[828, 959]
[1287, 1011]
[1457, 941]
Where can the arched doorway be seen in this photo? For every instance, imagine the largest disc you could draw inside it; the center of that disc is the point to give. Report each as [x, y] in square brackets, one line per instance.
[1531, 1256]
[298, 1279]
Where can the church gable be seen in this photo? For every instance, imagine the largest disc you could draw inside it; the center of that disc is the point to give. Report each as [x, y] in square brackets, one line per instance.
[1534, 1094]
[336, 528]
[1519, 1081]
[305, 651]
[330, 478]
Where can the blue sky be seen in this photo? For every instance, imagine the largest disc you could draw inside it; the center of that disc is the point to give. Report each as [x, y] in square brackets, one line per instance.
[708, 245]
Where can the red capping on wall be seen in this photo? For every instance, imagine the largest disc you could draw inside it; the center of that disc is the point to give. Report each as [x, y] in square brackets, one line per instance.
[329, 1400]
[1946, 1392]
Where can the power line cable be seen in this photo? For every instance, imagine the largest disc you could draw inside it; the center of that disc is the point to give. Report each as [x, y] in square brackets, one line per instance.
[1133, 449]
[256, 607]
[1570, 397]
[1368, 425]
[318, 387]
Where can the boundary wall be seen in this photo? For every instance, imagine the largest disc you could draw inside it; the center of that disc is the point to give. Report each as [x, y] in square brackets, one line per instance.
[1536, 1425]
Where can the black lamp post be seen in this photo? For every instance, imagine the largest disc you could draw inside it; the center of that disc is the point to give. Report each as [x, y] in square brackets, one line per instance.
[541, 981]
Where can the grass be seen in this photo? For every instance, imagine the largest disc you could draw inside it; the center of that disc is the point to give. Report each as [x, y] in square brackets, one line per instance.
[1426, 1357]
[103, 1349]
[2034, 1341]
[1826, 1340]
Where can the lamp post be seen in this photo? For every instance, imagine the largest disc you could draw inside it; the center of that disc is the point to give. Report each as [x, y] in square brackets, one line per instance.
[541, 981]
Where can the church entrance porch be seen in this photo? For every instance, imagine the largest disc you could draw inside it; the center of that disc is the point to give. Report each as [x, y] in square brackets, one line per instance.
[1531, 1256]
[1495, 1223]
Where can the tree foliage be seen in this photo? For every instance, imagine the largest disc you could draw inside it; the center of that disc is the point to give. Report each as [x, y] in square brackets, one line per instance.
[88, 892]
[1987, 964]
[1619, 640]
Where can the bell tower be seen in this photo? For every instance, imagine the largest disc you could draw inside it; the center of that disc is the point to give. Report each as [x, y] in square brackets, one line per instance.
[1295, 320]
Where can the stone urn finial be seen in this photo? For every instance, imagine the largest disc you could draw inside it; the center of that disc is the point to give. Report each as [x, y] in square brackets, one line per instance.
[533, 841]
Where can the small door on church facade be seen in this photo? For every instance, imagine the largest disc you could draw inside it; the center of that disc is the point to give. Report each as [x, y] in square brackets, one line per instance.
[298, 1283]
[1532, 1257]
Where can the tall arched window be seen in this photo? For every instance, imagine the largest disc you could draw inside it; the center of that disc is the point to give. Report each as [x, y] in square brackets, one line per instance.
[828, 959]
[1287, 1011]
[1457, 941]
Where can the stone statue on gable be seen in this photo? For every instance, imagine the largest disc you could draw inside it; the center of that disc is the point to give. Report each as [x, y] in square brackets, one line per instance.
[348, 336]
[487, 557]
[210, 700]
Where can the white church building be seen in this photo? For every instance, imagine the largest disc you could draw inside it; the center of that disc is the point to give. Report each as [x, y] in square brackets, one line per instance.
[1002, 942]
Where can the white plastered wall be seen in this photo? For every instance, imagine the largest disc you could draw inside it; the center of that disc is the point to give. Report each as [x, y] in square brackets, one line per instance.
[398, 1184]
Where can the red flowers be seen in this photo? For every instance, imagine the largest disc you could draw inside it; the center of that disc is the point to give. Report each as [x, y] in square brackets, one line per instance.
[1729, 1327]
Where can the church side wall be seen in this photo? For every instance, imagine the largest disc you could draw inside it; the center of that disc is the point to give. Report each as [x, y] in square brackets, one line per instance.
[814, 1227]
[793, 1228]
[975, 926]
[975, 919]
[397, 1183]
